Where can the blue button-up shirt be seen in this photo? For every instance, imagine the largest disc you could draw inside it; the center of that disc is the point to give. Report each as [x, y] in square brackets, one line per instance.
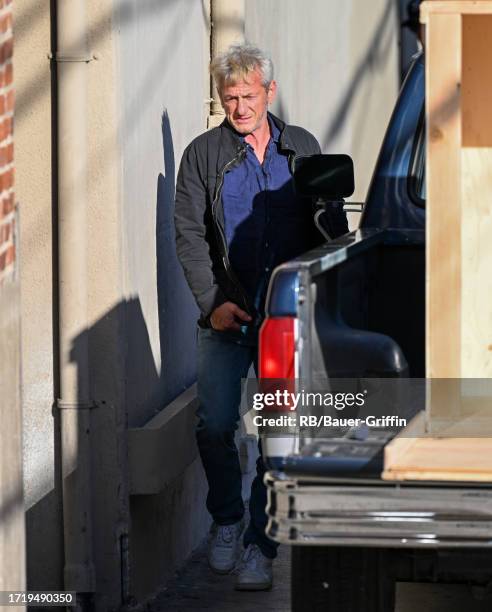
[266, 223]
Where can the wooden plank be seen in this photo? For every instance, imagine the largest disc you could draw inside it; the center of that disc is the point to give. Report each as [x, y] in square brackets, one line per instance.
[455, 7]
[416, 455]
[403, 442]
[453, 450]
[476, 222]
[435, 459]
[443, 401]
[443, 224]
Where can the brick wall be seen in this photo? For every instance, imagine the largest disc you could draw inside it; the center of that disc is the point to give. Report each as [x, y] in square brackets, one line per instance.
[7, 198]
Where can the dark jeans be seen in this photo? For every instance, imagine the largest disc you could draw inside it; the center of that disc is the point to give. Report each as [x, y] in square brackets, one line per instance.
[222, 361]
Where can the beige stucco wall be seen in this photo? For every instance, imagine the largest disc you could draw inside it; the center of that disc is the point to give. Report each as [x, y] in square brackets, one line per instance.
[374, 72]
[162, 49]
[336, 64]
[34, 193]
[12, 527]
[35, 169]
[163, 87]
[106, 321]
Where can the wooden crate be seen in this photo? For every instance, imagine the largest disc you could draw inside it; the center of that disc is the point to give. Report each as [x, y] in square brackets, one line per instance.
[453, 440]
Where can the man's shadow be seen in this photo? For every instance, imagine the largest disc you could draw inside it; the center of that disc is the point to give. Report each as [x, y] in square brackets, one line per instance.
[176, 307]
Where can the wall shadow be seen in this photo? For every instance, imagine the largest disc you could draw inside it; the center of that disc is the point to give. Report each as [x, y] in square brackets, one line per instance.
[375, 56]
[178, 312]
[110, 362]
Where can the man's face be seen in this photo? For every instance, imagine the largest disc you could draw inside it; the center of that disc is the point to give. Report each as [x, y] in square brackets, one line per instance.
[245, 103]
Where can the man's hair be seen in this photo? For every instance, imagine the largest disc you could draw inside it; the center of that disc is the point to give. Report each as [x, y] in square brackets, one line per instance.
[237, 61]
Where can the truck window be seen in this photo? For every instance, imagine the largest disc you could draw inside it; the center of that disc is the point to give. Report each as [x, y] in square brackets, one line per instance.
[416, 178]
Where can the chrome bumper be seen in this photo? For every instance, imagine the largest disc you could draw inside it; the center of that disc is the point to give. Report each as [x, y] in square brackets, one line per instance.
[376, 513]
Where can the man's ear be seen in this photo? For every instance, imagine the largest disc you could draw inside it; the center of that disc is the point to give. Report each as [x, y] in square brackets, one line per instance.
[272, 92]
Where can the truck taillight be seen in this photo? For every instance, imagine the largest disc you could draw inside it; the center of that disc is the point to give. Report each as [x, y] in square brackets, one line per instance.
[277, 348]
[277, 357]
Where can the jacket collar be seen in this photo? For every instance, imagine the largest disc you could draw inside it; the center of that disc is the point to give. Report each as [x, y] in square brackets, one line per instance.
[232, 146]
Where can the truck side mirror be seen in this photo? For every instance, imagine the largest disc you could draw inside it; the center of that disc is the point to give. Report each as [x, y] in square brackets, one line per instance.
[324, 176]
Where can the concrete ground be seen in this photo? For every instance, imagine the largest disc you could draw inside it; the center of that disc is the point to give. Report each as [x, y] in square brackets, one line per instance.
[196, 587]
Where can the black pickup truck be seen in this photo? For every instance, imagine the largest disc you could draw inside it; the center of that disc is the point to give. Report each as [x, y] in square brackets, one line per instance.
[355, 308]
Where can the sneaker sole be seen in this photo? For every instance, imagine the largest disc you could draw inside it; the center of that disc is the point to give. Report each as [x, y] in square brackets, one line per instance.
[220, 571]
[254, 586]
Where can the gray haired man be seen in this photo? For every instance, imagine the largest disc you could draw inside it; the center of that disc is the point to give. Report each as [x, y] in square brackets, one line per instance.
[237, 217]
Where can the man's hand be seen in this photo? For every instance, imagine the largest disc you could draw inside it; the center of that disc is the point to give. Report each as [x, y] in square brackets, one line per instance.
[223, 318]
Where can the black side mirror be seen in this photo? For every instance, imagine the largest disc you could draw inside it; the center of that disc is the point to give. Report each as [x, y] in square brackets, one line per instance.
[324, 176]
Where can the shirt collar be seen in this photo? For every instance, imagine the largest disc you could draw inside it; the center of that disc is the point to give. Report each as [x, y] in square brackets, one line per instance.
[274, 131]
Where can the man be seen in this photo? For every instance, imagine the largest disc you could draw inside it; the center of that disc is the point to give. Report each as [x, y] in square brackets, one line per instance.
[237, 217]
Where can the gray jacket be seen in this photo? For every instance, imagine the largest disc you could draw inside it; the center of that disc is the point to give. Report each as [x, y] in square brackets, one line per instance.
[199, 217]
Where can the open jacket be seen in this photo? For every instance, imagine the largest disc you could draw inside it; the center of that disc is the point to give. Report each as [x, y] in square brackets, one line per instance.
[199, 216]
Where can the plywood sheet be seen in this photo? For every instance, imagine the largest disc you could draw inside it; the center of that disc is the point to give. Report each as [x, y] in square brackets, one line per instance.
[428, 457]
[476, 197]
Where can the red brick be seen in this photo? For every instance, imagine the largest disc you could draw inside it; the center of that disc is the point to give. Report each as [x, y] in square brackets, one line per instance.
[6, 231]
[7, 257]
[2, 105]
[10, 153]
[10, 254]
[6, 50]
[10, 101]
[9, 74]
[8, 204]
[8, 179]
[5, 22]
[5, 128]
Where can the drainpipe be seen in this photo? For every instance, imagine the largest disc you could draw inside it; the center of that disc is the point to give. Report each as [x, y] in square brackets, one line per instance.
[227, 17]
[72, 59]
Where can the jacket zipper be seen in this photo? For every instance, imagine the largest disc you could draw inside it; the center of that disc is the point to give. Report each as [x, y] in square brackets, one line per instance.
[225, 256]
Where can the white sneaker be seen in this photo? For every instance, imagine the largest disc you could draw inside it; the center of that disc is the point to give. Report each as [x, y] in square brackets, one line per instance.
[224, 546]
[254, 571]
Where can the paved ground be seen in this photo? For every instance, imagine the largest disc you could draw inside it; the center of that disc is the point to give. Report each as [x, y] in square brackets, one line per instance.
[196, 587]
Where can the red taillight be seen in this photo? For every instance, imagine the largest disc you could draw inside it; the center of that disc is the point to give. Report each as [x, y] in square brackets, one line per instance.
[277, 358]
[277, 354]
[277, 348]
